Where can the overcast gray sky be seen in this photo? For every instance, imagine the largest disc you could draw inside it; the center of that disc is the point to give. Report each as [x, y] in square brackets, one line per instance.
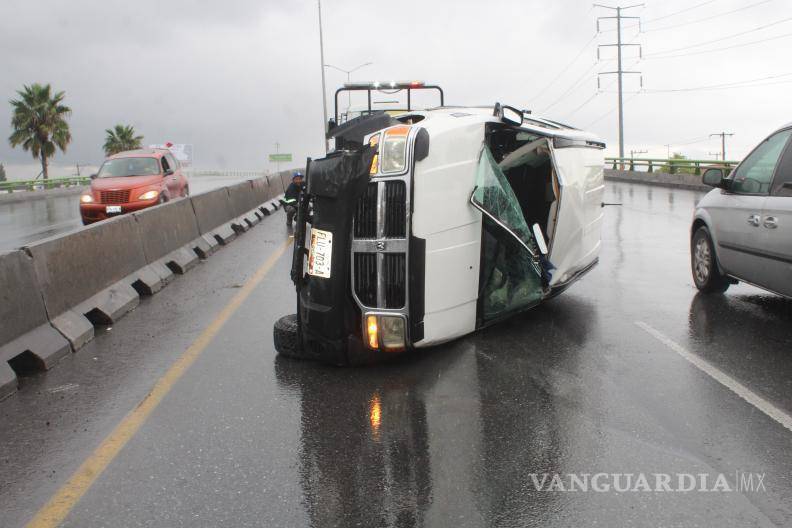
[232, 78]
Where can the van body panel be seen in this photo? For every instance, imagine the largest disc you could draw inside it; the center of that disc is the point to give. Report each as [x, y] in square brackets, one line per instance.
[576, 242]
[444, 218]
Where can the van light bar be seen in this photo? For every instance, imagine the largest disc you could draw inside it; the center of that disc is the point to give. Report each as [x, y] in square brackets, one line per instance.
[376, 85]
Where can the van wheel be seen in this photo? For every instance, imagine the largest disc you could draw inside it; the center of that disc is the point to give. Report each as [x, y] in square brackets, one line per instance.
[706, 274]
[286, 336]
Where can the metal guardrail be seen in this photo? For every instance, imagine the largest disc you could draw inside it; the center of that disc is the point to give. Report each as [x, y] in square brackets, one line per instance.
[225, 173]
[670, 166]
[35, 185]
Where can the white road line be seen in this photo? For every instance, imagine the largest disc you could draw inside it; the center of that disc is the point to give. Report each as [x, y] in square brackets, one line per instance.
[724, 379]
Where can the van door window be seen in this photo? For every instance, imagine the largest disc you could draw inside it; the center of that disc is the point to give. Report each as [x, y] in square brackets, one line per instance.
[511, 272]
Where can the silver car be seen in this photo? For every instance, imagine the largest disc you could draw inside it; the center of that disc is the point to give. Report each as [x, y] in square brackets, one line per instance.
[742, 229]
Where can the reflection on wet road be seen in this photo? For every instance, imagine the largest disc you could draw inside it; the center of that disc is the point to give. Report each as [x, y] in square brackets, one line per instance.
[25, 222]
[444, 437]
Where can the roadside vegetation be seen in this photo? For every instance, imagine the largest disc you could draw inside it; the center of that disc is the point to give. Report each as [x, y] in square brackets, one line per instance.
[677, 165]
[39, 123]
[121, 138]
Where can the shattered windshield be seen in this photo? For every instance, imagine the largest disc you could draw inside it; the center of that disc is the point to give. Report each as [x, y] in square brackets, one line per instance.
[511, 272]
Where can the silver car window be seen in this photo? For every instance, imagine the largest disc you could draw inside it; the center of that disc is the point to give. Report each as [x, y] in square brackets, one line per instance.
[755, 173]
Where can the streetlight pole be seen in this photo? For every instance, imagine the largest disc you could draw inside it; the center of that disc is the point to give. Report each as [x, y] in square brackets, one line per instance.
[324, 92]
[349, 77]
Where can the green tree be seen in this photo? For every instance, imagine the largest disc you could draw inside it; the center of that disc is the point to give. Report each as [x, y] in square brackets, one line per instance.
[676, 165]
[121, 138]
[39, 123]
[2, 173]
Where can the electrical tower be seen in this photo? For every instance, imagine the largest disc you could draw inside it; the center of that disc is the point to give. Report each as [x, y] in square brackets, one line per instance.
[723, 142]
[619, 72]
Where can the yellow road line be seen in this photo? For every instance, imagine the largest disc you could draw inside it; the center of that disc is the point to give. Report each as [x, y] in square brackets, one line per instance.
[59, 506]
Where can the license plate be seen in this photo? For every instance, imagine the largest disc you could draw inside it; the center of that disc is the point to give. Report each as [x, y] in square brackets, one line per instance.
[320, 253]
[111, 209]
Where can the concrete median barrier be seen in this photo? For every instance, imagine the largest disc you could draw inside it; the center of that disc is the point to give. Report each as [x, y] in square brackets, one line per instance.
[27, 340]
[679, 181]
[213, 213]
[170, 237]
[90, 276]
[261, 190]
[243, 205]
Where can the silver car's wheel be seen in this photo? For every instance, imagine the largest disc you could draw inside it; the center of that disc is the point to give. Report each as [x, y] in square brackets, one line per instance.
[702, 261]
[706, 273]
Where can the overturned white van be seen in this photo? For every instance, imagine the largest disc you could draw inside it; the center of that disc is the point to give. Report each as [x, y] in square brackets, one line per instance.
[428, 225]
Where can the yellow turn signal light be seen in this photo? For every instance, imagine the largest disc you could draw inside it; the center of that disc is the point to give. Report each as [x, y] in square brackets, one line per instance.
[373, 332]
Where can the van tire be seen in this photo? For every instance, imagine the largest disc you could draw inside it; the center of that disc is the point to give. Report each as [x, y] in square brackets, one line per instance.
[704, 264]
[286, 336]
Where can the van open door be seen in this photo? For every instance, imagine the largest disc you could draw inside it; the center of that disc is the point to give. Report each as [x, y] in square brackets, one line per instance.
[511, 277]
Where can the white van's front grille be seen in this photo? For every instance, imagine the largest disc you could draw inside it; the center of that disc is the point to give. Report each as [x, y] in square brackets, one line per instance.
[379, 245]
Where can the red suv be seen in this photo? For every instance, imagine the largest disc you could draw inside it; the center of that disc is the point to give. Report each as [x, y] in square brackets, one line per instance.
[133, 180]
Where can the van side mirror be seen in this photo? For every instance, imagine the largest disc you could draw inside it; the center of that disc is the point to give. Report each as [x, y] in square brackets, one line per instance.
[713, 178]
[168, 172]
[93, 176]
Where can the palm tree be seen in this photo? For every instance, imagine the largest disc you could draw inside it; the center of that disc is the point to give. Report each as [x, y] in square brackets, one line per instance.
[39, 122]
[121, 138]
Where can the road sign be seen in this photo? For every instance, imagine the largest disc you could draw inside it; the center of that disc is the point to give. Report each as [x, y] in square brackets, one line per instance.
[280, 157]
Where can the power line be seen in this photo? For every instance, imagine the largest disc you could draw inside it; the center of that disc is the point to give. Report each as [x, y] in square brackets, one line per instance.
[759, 28]
[574, 86]
[691, 8]
[702, 52]
[565, 68]
[721, 85]
[649, 21]
[587, 101]
[708, 18]
[609, 112]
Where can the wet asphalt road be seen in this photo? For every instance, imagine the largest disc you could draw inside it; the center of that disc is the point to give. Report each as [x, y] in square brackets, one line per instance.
[25, 222]
[445, 437]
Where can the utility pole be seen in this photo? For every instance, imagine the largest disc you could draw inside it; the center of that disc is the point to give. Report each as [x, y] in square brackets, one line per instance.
[716, 154]
[634, 152]
[723, 142]
[277, 160]
[324, 92]
[668, 151]
[619, 72]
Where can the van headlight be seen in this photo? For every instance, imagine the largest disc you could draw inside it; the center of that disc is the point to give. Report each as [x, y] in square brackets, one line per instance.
[393, 151]
[86, 198]
[386, 332]
[148, 195]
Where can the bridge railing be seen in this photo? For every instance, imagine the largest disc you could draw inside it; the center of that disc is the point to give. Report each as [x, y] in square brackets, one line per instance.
[670, 166]
[51, 183]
